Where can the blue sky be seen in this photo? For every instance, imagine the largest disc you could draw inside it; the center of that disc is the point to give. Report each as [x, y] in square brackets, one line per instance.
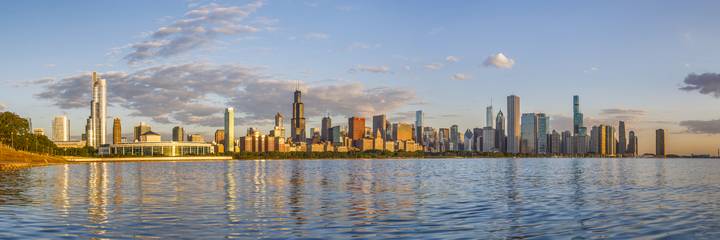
[626, 59]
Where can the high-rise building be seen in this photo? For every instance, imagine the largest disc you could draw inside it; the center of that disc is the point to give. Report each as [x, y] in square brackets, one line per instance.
[543, 128]
[529, 133]
[489, 116]
[402, 131]
[513, 124]
[500, 142]
[325, 131]
[96, 124]
[140, 129]
[577, 115]
[177, 134]
[356, 128]
[443, 139]
[566, 143]
[278, 130]
[632, 147]
[220, 136]
[117, 131]
[379, 126]
[610, 141]
[454, 138]
[229, 144]
[555, 143]
[61, 129]
[488, 140]
[660, 143]
[335, 135]
[469, 140]
[622, 142]
[297, 126]
[419, 135]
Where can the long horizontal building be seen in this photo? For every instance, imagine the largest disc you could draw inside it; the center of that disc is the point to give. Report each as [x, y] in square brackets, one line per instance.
[151, 144]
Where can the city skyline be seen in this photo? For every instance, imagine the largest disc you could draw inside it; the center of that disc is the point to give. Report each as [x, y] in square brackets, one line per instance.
[352, 74]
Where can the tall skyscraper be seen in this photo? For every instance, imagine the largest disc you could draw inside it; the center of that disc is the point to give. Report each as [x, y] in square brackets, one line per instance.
[96, 123]
[402, 131]
[297, 125]
[529, 133]
[356, 128]
[229, 144]
[278, 130]
[178, 133]
[543, 128]
[380, 126]
[489, 116]
[117, 131]
[500, 142]
[220, 136]
[577, 115]
[60, 128]
[622, 142]
[513, 124]
[632, 147]
[419, 135]
[325, 131]
[660, 143]
[140, 129]
[454, 138]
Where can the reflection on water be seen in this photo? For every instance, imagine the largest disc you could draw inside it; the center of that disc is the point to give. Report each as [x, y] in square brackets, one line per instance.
[472, 198]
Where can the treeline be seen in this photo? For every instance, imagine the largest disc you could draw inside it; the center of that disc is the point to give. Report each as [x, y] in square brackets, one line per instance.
[15, 132]
[326, 155]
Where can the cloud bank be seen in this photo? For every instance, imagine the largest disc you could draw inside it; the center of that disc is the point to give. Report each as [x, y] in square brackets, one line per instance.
[706, 83]
[197, 28]
[196, 93]
[460, 76]
[370, 69]
[499, 60]
[701, 126]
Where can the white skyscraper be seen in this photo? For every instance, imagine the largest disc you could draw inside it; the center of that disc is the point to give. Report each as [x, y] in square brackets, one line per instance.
[96, 124]
[60, 128]
[229, 130]
[489, 116]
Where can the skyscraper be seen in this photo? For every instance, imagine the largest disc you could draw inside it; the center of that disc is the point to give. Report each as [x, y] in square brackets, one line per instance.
[513, 124]
[500, 143]
[489, 116]
[529, 133]
[325, 131]
[454, 138]
[297, 125]
[60, 128]
[632, 147]
[356, 128]
[219, 136]
[402, 131]
[419, 127]
[660, 143]
[229, 130]
[140, 129]
[278, 130]
[543, 126]
[577, 115]
[96, 123]
[178, 133]
[117, 131]
[622, 142]
[380, 126]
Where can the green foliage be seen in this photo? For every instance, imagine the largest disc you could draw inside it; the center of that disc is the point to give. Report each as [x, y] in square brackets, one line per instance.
[15, 132]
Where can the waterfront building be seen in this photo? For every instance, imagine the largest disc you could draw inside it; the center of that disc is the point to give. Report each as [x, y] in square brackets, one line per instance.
[566, 143]
[229, 130]
[488, 140]
[555, 142]
[278, 130]
[195, 138]
[325, 129]
[335, 135]
[39, 131]
[580, 143]
[500, 142]
[622, 142]
[402, 131]
[70, 144]
[632, 146]
[356, 128]
[219, 140]
[577, 115]
[150, 136]
[469, 141]
[489, 116]
[157, 148]
[443, 139]
[529, 133]
[610, 141]
[117, 131]
[513, 124]
[660, 143]
[419, 134]
[60, 129]
[297, 126]
[477, 139]
[454, 138]
[380, 127]
[139, 130]
[542, 125]
[594, 140]
[96, 123]
[178, 133]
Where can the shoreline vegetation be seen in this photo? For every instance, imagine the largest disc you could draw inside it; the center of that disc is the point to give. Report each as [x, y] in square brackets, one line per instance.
[13, 159]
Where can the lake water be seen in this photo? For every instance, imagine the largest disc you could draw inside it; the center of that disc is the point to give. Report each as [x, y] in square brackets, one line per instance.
[451, 198]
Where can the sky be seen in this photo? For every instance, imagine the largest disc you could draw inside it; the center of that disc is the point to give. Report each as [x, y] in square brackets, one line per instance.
[652, 64]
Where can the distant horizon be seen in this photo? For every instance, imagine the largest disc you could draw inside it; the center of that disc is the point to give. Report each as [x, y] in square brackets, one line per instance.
[651, 65]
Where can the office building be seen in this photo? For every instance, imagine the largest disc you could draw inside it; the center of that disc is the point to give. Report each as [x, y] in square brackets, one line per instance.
[297, 125]
[555, 143]
[178, 133]
[419, 134]
[622, 142]
[117, 131]
[488, 140]
[566, 143]
[96, 123]
[469, 140]
[660, 143]
[543, 125]
[379, 126]
[610, 141]
[529, 133]
[356, 128]
[326, 124]
[229, 144]
[577, 116]
[632, 147]
[513, 124]
[335, 135]
[139, 130]
[60, 129]
[500, 142]
[196, 138]
[489, 116]
[454, 138]
[402, 132]
[39, 131]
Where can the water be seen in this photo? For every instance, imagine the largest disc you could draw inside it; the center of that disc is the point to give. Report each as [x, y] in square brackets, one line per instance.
[453, 198]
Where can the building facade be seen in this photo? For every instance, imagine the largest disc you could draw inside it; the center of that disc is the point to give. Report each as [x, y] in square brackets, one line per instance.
[513, 124]
[61, 129]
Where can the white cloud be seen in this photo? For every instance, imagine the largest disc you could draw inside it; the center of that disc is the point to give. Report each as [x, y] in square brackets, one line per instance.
[371, 69]
[316, 36]
[452, 59]
[461, 76]
[499, 60]
[434, 66]
[199, 27]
